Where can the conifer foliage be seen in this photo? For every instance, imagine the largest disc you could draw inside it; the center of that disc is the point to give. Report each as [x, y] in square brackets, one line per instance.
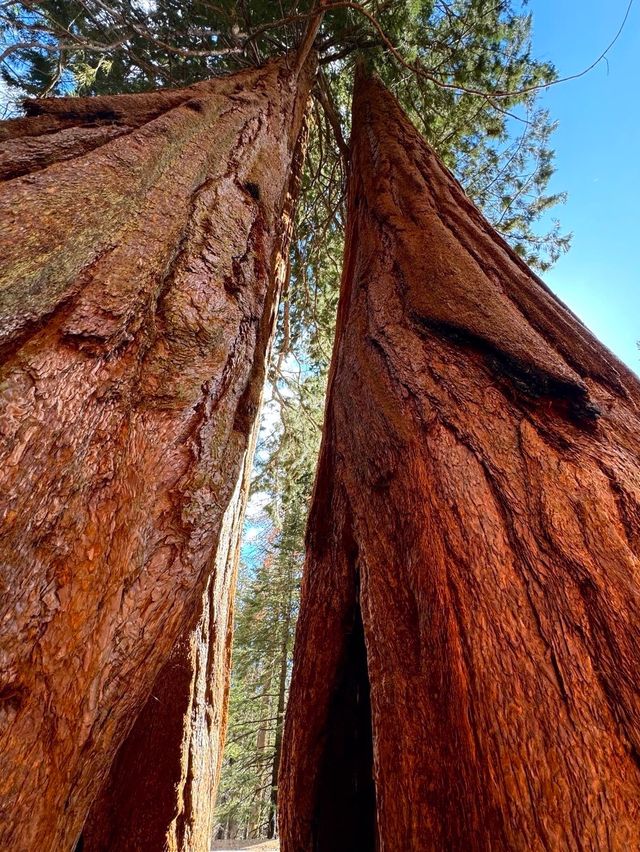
[462, 68]
[267, 609]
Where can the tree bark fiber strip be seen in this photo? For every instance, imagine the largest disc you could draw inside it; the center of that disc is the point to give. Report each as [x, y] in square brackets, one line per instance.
[138, 290]
[161, 790]
[477, 511]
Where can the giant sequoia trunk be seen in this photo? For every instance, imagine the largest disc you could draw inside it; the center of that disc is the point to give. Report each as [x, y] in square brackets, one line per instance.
[467, 667]
[141, 255]
[161, 789]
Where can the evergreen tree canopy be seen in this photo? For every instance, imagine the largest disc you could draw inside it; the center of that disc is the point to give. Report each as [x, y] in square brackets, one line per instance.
[462, 68]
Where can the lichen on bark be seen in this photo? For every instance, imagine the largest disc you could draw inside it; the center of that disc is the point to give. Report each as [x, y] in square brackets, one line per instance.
[477, 507]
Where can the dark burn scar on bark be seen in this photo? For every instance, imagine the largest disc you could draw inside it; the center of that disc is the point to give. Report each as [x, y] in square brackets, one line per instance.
[344, 818]
[524, 378]
[253, 189]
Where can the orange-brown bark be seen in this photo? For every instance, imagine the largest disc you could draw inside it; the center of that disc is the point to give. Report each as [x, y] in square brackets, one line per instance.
[467, 664]
[160, 793]
[161, 789]
[142, 251]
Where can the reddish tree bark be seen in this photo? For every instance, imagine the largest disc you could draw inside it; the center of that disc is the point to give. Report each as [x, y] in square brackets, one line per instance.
[161, 789]
[142, 251]
[467, 666]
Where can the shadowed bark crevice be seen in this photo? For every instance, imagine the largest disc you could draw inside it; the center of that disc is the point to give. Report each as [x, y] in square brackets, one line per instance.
[344, 817]
[571, 398]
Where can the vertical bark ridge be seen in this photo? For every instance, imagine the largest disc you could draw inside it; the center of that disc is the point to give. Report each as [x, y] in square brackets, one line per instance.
[173, 753]
[138, 289]
[161, 787]
[481, 446]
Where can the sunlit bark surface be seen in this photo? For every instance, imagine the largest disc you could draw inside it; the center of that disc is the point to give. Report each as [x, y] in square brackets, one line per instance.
[160, 793]
[142, 249]
[467, 664]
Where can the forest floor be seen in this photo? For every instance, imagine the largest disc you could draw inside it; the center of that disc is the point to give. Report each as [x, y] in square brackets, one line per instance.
[245, 846]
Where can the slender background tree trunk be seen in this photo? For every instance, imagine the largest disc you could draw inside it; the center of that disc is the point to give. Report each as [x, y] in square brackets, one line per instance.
[477, 511]
[142, 257]
[280, 708]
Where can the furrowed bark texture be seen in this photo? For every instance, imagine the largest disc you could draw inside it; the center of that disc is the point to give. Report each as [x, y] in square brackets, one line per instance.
[141, 265]
[161, 789]
[477, 512]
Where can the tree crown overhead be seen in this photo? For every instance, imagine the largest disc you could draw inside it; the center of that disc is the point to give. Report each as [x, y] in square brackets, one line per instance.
[435, 55]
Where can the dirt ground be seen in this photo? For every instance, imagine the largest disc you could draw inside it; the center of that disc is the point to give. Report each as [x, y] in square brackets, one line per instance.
[245, 846]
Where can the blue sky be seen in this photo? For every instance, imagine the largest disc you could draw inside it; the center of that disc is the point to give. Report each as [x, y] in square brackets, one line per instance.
[598, 163]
